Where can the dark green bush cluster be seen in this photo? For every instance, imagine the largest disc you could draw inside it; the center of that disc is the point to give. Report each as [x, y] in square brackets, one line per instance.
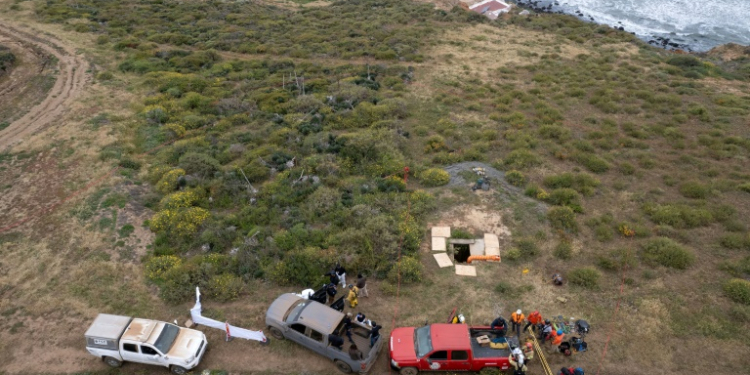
[586, 277]
[583, 183]
[667, 253]
[695, 190]
[592, 162]
[7, 59]
[563, 250]
[527, 247]
[678, 215]
[521, 159]
[345, 30]
[563, 219]
[735, 241]
[516, 178]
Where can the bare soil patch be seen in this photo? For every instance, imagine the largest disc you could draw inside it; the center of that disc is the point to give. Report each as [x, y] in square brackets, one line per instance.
[71, 79]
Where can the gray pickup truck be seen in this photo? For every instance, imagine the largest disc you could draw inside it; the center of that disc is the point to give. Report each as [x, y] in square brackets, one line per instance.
[309, 323]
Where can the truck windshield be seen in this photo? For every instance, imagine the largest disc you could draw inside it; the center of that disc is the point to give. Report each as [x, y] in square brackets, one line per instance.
[294, 311]
[166, 338]
[422, 341]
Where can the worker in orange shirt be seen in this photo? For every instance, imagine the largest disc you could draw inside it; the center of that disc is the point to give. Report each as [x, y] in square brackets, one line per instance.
[535, 321]
[558, 339]
[516, 319]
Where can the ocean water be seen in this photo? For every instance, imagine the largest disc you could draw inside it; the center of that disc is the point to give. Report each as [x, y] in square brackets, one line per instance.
[701, 25]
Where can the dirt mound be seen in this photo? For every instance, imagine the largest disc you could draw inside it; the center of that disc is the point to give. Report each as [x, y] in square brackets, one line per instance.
[71, 78]
[730, 51]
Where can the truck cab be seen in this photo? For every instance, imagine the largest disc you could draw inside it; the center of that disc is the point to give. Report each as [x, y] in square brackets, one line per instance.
[309, 323]
[444, 347]
[117, 339]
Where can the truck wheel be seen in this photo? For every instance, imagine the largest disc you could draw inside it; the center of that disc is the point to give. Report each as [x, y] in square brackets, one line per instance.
[343, 366]
[408, 371]
[177, 370]
[276, 333]
[112, 362]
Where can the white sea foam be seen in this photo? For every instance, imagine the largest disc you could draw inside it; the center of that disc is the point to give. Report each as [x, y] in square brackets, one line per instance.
[715, 22]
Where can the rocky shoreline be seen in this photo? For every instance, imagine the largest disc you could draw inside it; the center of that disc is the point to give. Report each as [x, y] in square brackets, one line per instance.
[547, 6]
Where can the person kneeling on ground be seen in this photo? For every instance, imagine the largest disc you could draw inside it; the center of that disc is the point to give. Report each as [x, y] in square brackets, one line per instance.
[557, 279]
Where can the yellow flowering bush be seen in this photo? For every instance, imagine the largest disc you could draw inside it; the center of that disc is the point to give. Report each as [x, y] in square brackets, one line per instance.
[168, 182]
[178, 200]
[176, 129]
[434, 177]
[156, 172]
[158, 267]
[182, 221]
[224, 287]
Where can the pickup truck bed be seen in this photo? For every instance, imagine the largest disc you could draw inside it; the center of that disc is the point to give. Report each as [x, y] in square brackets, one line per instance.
[360, 336]
[486, 351]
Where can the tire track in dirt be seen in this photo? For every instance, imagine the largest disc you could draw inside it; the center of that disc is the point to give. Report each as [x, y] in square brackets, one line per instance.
[69, 83]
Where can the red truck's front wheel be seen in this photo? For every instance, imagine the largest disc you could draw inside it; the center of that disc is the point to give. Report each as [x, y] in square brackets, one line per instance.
[408, 371]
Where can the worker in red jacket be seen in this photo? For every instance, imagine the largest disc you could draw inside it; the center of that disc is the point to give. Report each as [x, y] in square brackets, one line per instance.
[535, 321]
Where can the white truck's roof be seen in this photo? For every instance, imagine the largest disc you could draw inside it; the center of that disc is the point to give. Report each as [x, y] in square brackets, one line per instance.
[143, 330]
[108, 326]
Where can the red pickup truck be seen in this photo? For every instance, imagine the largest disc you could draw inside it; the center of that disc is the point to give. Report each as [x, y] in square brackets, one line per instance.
[444, 347]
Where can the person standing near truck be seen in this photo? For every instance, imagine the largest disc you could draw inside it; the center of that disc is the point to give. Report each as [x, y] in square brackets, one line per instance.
[352, 296]
[535, 321]
[341, 273]
[374, 333]
[331, 292]
[516, 319]
[362, 285]
[499, 324]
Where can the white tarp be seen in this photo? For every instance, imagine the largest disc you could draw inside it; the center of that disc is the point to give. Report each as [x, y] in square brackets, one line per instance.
[195, 314]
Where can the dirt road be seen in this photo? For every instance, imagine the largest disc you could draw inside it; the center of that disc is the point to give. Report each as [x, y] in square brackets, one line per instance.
[70, 81]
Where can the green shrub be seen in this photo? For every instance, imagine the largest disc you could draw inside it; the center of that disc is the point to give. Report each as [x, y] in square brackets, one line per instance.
[513, 254]
[411, 271]
[592, 162]
[563, 250]
[586, 277]
[738, 290]
[521, 159]
[695, 190]
[434, 177]
[604, 232]
[744, 187]
[224, 287]
[563, 218]
[460, 233]
[678, 216]
[583, 183]
[503, 288]
[626, 168]
[527, 248]
[735, 241]
[667, 253]
[564, 197]
[301, 267]
[515, 178]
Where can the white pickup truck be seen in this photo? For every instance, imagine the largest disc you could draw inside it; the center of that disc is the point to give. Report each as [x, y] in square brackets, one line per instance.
[117, 339]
